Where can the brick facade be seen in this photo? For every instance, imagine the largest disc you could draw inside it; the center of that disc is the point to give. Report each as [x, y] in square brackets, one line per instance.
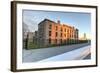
[55, 33]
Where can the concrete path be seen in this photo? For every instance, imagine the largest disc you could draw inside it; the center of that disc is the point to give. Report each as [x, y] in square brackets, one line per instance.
[43, 53]
[77, 54]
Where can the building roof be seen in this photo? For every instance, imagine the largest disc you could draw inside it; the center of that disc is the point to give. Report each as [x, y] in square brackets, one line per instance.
[46, 20]
[49, 20]
[56, 23]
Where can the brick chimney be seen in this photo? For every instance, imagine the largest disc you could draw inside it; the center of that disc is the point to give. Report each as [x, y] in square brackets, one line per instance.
[58, 21]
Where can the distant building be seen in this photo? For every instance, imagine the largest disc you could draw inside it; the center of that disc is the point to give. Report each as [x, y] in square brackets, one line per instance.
[29, 35]
[35, 38]
[84, 37]
[50, 32]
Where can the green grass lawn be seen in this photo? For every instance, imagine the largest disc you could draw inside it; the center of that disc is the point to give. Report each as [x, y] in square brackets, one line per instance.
[31, 45]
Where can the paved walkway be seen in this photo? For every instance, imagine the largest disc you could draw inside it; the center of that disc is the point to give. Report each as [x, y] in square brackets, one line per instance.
[43, 53]
[77, 54]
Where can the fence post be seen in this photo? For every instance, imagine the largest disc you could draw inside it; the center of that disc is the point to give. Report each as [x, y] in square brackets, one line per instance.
[26, 41]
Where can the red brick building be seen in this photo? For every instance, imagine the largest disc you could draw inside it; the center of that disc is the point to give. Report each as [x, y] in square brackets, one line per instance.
[55, 33]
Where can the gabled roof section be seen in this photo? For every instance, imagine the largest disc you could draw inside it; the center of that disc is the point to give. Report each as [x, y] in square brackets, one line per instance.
[47, 20]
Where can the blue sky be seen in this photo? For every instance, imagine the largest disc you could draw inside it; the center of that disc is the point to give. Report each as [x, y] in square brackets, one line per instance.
[82, 21]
